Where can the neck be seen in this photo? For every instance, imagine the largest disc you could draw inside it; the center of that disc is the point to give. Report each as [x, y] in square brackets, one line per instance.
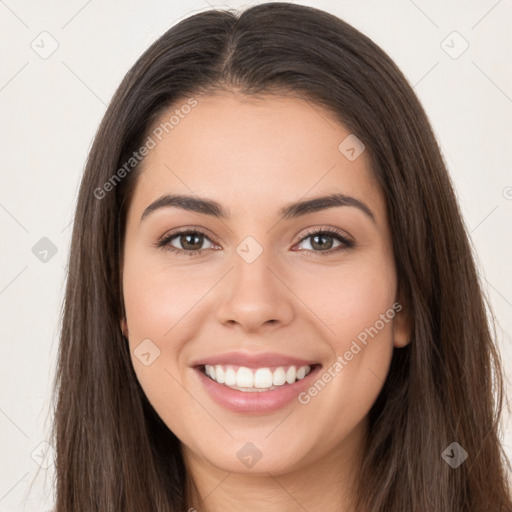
[325, 484]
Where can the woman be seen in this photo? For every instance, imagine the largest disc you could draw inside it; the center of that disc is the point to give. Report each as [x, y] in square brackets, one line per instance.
[272, 302]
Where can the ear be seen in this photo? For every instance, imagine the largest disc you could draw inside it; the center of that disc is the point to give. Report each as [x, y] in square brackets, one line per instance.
[402, 323]
[124, 327]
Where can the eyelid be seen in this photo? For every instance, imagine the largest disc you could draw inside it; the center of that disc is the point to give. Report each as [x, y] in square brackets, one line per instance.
[326, 229]
[187, 229]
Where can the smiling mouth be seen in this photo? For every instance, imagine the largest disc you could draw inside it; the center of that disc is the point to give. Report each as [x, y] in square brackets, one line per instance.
[242, 378]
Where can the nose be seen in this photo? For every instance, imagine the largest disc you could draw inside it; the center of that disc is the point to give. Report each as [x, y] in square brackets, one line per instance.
[254, 297]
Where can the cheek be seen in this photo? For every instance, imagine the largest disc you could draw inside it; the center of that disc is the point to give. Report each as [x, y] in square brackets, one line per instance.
[157, 297]
[358, 306]
[359, 311]
[156, 303]
[366, 313]
[353, 300]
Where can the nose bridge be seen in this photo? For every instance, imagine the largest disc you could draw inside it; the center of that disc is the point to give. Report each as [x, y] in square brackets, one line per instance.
[253, 295]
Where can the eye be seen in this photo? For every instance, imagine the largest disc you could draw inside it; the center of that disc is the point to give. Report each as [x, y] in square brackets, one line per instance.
[191, 241]
[318, 238]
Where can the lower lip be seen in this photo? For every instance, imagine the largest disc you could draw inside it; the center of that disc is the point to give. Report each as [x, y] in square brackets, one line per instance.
[258, 402]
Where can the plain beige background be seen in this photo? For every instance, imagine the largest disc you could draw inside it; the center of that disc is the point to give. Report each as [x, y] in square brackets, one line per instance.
[60, 64]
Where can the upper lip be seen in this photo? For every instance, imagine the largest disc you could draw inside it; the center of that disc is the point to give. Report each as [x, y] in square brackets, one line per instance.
[254, 360]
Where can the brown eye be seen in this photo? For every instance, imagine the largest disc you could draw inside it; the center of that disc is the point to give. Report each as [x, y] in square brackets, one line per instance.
[322, 241]
[189, 242]
[319, 241]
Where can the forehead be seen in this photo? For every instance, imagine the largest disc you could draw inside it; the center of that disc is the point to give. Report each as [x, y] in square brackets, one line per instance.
[253, 152]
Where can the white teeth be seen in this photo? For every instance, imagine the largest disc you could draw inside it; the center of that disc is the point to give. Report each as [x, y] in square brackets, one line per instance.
[230, 377]
[278, 377]
[263, 378]
[244, 377]
[247, 379]
[219, 374]
[291, 375]
[301, 373]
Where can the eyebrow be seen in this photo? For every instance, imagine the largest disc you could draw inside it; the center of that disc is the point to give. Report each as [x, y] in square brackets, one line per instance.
[289, 211]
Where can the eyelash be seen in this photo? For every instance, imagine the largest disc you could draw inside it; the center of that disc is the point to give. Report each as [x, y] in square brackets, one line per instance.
[347, 244]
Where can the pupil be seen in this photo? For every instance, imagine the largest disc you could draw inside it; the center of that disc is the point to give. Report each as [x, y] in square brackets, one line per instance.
[187, 237]
[321, 237]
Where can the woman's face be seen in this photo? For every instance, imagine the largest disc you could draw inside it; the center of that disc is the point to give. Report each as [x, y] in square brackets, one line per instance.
[266, 302]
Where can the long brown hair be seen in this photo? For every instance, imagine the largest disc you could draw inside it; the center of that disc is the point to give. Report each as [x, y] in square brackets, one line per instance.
[114, 453]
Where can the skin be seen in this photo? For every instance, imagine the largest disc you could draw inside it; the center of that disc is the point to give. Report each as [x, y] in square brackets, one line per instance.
[255, 155]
